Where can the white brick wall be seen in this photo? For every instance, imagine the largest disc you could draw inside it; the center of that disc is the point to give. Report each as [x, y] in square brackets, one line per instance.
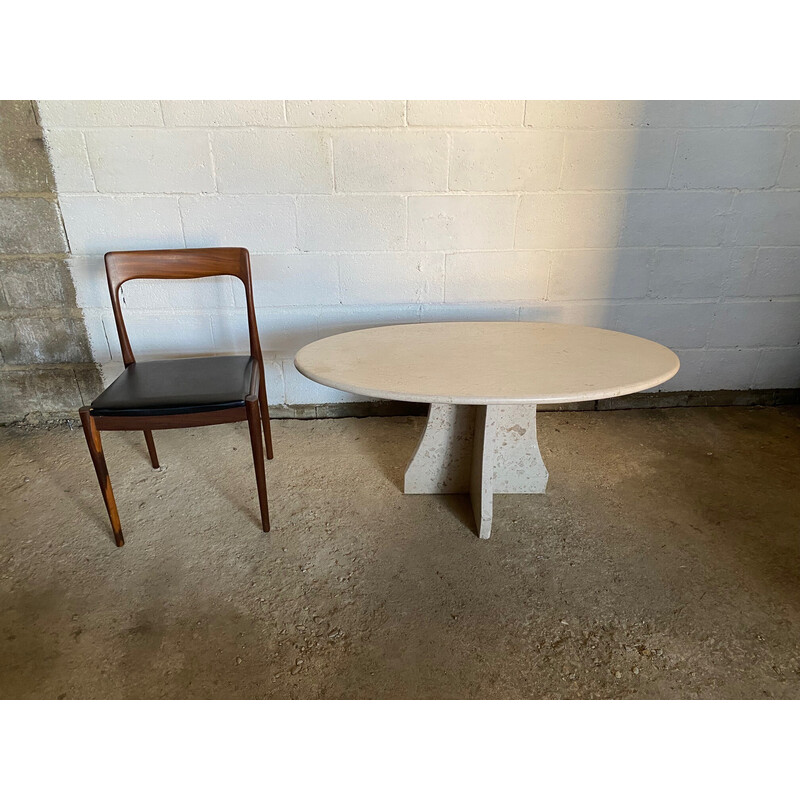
[461, 222]
[131, 160]
[679, 221]
[350, 222]
[368, 278]
[565, 220]
[727, 159]
[390, 161]
[97, 223]
[348, 113]
[513, 161]
[789, 177]
[607, 160]
[213, 113]
[465, 113]
[264, 161]
[261, 223]
[511, 276]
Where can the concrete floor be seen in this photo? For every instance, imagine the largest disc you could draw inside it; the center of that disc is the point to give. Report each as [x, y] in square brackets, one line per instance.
[661, 563]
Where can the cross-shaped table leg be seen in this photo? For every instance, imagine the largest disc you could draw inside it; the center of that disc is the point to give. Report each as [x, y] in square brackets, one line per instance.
[483, 450]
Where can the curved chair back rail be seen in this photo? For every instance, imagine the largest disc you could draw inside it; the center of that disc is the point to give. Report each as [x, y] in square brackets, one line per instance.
[209, 262]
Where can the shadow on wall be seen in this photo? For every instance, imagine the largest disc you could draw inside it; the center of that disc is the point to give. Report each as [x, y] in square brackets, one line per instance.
[662, 234]
[600, 238]
[638, 236]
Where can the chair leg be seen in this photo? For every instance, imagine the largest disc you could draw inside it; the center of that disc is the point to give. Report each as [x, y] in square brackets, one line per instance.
[99, 461]
[254, 423]
[262, 399]
[151, 448]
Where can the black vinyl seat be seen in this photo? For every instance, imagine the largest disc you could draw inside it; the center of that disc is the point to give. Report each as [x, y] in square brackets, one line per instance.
[177, 386]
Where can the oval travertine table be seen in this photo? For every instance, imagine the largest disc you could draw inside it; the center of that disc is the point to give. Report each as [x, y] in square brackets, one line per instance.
[483, 381]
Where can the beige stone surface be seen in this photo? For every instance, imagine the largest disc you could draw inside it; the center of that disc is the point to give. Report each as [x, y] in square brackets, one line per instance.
[480, 450]
[442, 461]
[487, 362]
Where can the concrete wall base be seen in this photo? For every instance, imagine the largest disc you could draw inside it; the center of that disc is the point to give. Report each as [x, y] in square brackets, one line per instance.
[390, 408]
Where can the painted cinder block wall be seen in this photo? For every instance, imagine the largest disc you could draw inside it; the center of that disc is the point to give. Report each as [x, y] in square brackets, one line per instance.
[678, 221]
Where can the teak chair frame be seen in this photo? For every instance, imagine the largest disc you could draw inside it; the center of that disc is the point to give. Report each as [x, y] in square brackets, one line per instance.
[123, 266]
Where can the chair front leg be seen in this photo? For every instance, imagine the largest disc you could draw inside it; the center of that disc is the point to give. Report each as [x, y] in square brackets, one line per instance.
[99, 461]
[262, 399]
[251, 406]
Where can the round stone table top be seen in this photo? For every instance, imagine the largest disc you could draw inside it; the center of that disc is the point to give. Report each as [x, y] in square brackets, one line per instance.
[482, 363]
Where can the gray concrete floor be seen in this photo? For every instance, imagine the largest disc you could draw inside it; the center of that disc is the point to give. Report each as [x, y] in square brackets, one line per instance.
[661, 563]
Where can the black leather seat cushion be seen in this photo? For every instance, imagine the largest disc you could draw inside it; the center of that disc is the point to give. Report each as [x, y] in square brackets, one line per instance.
[177, 386]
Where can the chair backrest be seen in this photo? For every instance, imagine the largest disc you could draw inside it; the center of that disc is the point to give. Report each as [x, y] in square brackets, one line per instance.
[122, 266]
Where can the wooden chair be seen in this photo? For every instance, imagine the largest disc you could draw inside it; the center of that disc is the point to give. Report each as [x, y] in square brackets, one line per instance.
[181, 392]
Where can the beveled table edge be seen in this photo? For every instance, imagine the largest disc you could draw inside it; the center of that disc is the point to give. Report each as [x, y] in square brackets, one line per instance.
[474, 400]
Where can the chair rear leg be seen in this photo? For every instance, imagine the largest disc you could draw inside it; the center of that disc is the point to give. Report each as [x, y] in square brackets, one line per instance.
[99, 461]
[262, 399]
[151, 448]
[254, 423]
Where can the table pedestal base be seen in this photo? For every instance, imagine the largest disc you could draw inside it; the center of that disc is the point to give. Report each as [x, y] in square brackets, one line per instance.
[483, 450]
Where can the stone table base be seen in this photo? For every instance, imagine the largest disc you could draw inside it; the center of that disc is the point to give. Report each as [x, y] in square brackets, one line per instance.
[484, 450]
